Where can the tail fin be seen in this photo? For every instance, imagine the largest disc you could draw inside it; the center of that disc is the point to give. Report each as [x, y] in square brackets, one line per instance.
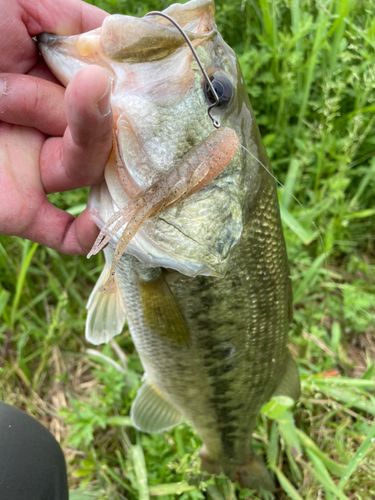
[252, 474]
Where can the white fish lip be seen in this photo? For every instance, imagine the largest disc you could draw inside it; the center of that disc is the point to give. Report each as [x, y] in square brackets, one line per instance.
[63, 63]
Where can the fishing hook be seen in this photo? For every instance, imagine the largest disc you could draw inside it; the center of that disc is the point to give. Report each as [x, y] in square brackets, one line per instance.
[215, 122]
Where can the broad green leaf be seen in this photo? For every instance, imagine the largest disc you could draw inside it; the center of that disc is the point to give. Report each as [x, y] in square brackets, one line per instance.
[276, 406]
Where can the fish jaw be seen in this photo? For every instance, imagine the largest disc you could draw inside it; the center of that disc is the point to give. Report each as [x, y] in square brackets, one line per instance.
[127, 40]
[62, 53]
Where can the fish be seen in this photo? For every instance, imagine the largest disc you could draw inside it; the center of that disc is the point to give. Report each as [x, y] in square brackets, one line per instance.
[195, 255]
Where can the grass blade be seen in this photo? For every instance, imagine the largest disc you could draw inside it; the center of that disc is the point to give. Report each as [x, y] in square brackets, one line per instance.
[27, 255]
[358, 458]
[140, 470]
[273, 448]
[4, 297]
[308, 444]
[267, 21]
[345, 381]
[170, 489]
[309, 278]
[319, 35]
[76, 210]
[303, 234]
[290, 182]
[286, 484]
[119, 420]
[320, 472]
[85, 494]
[288, 430]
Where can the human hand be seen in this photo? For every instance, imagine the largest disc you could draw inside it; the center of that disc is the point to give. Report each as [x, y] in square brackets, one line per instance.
[50, 139]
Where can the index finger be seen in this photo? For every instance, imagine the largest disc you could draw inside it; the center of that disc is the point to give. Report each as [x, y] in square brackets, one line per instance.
[29, 18]
[62, 17]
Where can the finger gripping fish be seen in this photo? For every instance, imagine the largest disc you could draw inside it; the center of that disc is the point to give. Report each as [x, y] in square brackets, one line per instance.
[191, 233]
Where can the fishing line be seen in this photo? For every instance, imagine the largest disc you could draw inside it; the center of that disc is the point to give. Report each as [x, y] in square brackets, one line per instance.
[312, 222]
[215, 122]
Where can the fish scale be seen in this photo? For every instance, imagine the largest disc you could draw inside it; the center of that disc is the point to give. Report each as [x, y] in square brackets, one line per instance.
[204, 283]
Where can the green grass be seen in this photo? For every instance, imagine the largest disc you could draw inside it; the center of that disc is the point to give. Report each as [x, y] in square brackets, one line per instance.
[309, 68]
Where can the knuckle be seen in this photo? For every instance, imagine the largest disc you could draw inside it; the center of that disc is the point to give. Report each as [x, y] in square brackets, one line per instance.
[95, 136]
[35, 97]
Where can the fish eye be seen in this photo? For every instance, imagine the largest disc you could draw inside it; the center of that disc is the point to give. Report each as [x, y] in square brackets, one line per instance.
[223, 88]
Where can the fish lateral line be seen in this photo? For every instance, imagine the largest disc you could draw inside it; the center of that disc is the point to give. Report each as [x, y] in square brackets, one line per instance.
[320, 238]
[201, 164]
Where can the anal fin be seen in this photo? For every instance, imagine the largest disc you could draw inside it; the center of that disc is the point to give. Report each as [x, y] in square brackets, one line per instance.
[152, 412]
[290, 383]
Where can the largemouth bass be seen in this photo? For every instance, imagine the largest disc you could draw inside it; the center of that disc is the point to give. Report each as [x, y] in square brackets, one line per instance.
[201, 270]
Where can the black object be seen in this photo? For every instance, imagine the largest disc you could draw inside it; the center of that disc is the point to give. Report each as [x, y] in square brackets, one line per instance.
[32, 464]
[223, 89]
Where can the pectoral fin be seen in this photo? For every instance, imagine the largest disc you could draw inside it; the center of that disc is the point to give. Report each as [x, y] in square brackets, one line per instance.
[106, 313]
[151, 412]
[161, 312]
[290, 384]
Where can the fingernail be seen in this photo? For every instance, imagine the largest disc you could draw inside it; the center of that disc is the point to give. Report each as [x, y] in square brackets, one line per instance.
[104, 103]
